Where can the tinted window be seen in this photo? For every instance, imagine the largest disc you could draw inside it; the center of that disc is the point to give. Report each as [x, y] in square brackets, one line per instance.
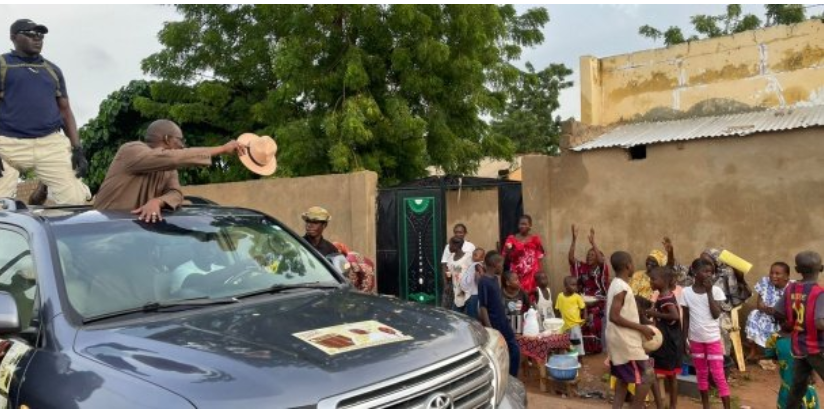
[120, 265]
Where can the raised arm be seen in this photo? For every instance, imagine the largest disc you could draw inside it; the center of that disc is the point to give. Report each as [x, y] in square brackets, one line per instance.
[572, 259]
[670, 252]
[142, 159]
[599, 256]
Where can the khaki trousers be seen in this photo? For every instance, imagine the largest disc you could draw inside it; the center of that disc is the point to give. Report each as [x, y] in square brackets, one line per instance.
[50, 157]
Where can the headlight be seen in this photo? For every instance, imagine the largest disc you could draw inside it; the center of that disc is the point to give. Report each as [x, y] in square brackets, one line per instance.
[496, 349]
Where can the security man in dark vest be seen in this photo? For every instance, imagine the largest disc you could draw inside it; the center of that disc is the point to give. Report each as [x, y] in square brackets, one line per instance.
[37, 127]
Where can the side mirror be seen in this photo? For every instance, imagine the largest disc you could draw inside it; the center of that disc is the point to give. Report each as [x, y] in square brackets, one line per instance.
[9, 316]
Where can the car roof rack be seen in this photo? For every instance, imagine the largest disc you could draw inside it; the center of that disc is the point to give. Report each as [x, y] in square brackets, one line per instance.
[12, 205]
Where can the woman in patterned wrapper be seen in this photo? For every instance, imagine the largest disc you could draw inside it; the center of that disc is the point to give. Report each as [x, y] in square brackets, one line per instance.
[524, 252]
[593, 281]
[361, 270]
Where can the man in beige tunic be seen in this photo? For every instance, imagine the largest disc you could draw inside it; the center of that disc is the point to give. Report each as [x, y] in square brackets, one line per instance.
[143, 175]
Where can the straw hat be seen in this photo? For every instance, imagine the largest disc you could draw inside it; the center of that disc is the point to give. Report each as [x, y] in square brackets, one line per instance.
[260, 153]
[316, 214]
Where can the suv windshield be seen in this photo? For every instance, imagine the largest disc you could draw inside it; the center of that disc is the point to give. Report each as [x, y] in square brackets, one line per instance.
[121, 265]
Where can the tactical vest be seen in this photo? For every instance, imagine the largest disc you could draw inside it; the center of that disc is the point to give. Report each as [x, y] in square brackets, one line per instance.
[45, 65]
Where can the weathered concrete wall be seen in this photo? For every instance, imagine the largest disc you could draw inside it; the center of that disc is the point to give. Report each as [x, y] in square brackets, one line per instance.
[759, 196]
[478, 210]
[777, 66]
[350, 199]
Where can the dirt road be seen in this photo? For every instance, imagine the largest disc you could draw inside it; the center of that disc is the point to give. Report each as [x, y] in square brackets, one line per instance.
[756, 388]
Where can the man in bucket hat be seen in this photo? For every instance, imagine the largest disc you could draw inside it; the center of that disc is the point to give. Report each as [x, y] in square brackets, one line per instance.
[316, 219]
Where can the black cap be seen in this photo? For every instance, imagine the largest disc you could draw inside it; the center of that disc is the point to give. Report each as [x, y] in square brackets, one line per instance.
[27, 24]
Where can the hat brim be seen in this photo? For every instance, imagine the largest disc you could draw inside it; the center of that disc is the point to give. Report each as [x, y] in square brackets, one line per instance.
[262, 170]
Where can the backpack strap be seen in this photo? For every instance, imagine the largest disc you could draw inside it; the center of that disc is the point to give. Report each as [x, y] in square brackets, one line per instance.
[53, 72]
[50, 69]
[4, 67]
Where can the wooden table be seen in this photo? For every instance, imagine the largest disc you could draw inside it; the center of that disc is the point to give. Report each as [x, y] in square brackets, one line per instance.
[539, 348]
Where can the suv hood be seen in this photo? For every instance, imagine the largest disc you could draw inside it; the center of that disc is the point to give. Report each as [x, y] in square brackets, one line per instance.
[245, 355]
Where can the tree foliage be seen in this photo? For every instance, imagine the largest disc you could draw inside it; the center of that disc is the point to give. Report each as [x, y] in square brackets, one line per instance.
[733, 21]
[388, 88]
[528, 119]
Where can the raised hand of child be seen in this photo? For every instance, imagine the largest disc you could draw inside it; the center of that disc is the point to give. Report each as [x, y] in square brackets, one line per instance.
[574, 232]
[667, 244]
[592, 236]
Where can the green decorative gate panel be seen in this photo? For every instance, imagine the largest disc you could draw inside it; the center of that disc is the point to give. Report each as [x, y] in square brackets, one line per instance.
[420, 254]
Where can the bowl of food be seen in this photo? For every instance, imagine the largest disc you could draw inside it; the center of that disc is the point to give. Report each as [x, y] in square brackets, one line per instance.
[590, 300]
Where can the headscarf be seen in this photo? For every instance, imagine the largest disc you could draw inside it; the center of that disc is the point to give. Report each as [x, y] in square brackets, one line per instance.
[640, 281]
[660, 257]
[342, 248]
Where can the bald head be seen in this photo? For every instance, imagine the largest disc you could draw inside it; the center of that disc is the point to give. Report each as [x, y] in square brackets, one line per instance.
[163, 131]
[808, 264]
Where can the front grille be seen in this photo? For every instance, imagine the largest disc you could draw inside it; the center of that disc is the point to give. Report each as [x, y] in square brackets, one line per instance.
[467, 378]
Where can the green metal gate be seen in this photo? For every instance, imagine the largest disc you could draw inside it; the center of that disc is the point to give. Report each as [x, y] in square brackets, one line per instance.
[421, 233]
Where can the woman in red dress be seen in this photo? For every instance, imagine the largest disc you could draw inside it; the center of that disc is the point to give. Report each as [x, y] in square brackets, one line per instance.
[524, 252]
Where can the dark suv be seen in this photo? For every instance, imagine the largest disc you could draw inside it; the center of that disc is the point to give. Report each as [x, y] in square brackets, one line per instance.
[218, 307]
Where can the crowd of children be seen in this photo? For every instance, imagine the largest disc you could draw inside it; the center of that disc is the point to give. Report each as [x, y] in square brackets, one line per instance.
[685, 307]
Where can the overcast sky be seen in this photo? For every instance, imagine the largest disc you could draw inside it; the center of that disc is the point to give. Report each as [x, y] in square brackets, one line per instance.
[99, 47]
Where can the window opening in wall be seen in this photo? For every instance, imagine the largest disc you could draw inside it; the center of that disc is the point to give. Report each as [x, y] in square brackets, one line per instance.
[638, 152]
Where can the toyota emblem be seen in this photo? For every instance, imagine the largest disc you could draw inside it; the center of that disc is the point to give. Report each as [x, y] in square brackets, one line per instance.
[440, 400]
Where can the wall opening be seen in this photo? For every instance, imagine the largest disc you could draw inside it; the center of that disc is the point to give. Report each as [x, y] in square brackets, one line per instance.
[638, 152]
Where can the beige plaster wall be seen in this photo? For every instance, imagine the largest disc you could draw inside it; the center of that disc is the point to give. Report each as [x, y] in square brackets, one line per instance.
[478, 210]
[760, 197]
[350, 198]
[766, 68]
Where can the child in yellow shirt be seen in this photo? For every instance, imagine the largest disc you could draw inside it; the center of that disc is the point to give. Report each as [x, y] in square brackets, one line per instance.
[571, 306]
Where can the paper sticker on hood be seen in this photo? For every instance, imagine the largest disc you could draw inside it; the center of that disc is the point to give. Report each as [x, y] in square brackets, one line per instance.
[353, 336]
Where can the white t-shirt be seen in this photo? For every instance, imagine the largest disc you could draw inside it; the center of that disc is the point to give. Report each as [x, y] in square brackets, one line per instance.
[703, 328]
[457, 268]
[467, 247]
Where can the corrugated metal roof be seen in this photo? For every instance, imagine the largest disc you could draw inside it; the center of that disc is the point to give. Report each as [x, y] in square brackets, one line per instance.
[708, 127]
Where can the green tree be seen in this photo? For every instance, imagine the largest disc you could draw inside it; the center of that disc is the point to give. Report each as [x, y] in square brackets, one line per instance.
[733, 21]
[528, 119]
[388, 88]
[116, 123]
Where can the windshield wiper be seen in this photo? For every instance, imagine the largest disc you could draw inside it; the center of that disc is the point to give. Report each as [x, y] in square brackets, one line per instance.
[157, 306]
[285, 287]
